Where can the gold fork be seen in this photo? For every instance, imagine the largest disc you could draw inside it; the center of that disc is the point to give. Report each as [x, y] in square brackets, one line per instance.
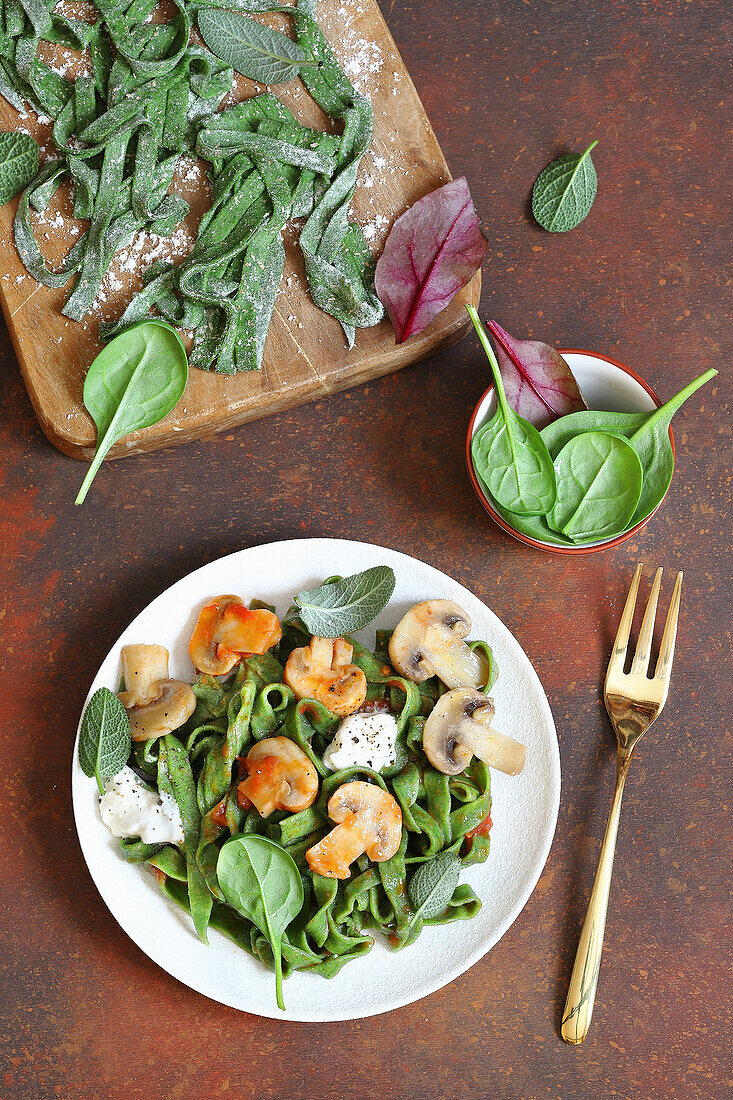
[633, 700]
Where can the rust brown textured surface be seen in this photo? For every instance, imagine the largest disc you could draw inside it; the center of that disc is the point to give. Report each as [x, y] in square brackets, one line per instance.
[646, 279]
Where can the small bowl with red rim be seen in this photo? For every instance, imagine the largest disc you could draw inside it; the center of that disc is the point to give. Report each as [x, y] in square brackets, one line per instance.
[607, 386]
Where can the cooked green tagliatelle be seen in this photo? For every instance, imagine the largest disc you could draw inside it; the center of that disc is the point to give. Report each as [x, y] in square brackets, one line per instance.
[154, 95]
[199, 767]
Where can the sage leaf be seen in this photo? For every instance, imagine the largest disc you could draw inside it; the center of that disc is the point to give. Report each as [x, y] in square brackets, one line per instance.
[652, 444]
[341, 606]
[508, 452]
[564, 192]
[134, 382]
[262, 882]
[538, 383]
[104, 738]
[431, 887]
[599, 479]
[18, 163]
[253, 49]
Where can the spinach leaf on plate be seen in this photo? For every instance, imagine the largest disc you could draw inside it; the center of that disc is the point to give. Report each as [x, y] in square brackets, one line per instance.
[262, 882]
[508, 452]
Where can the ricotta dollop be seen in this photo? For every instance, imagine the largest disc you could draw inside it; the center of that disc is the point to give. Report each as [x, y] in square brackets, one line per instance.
[363, 740]
[129, 808]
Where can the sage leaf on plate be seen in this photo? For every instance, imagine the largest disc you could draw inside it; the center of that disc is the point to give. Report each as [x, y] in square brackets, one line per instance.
[104, 737]
[599, 479]
[652, 444]
[538, 383]
[341, 606]
[431, 887]
[134, 382]
[564, 192]
[253, 49]
[176, 778]
[262, 882]
[18, 163]
[508, 452]
[434, 248]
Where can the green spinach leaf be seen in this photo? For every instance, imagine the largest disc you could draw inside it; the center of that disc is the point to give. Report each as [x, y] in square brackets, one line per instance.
[431, 887]
[262, 882]
[564, 192]
[508, 452]
[347, 604]
[561, 431]
[253, 49]
[134, 382]
[18, 164]
[599, 479]
[652, 444]
[104, 738]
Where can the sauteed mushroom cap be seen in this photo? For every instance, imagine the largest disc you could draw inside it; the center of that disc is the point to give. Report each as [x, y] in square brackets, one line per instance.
[369, 820]
[280, 776]
[429, 641]
[227, 630]
[323, 671]
[459, 728]
[155, 704]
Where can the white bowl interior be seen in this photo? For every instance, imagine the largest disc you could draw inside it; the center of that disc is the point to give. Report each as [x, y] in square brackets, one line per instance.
[603, 385]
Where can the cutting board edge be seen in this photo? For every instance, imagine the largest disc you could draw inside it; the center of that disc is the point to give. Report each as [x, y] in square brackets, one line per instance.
[143, 442]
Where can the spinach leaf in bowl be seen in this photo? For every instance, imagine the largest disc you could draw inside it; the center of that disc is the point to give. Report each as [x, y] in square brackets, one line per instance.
[599, 478]
[562, 430]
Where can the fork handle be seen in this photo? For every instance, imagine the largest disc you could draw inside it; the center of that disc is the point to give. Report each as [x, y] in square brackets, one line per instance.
[581, 997]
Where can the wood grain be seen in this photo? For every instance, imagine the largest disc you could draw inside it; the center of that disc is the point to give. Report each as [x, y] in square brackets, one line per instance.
[305, 355]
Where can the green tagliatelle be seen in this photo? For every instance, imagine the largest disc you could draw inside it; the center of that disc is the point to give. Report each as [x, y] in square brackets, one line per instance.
[153, 96]
[440, 813]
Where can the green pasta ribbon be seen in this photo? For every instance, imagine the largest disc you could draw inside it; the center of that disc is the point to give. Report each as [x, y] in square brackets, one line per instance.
[339, 919]
[153, 96]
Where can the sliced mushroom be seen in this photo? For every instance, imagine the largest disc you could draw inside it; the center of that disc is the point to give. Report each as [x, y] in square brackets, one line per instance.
[459, 728]
[368, 820]
[142, 665]
[155, 704]
[429, 641]
[279, 777]
[323, 671]
[227, 631]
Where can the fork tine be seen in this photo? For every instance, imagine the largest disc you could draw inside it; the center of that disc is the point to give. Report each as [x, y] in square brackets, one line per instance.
[618, 654]
[644, 645]
[666, 650]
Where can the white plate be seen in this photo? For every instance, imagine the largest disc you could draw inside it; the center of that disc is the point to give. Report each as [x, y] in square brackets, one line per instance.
[524, 808]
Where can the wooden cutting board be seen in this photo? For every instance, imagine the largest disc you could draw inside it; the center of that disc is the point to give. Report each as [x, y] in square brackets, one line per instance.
[305, 356]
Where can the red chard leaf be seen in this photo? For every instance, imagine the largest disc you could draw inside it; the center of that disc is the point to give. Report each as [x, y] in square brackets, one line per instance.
[539, 384]
[433, 249]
